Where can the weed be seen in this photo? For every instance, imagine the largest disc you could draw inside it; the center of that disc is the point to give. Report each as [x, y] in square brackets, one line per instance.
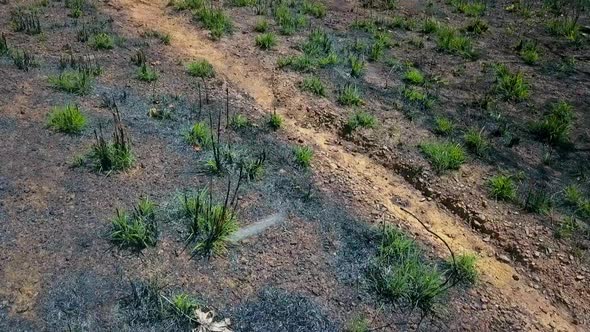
[399, 273]
[26, 21]
[262, 25]
[555, 126]
[476, 141]
[357, 66]
[315, 9]
[216, 20]
[350, 96]
[414, 76]
[464, 267]
[443, 155]
[360, 119]
[528, 51]
[146, 73]
[430, 25]
[67, 119]
[511, 86]
[573, 195]
[138, 230]
[502, 187]
[449, 40]
[200, 68]
[266, 41]
[275, 121]
[303, 155]
[23, 60]
[314, 85]
[199, 135]
[115, 155]
[239, 121]
[443, 126]
[73, 81]
[477, 26]
[102, 41]
[565, 27]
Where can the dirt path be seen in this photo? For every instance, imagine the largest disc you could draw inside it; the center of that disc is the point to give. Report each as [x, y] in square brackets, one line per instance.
[362, 174]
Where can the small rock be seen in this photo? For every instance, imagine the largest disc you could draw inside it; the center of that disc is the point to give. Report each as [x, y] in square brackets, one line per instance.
[515, 277]
[504, 258]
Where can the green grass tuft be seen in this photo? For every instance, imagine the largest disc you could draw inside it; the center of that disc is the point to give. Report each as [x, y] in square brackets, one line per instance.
[262, 25]
[199, 135]
[350, 96]
[414, 76]
[102, 41]
[303, 155]
[138, 230]
[67, 119]
[216, 20]
[239, 121]
[73, 81]
[360, 119]
[200, 68]
[466, 272]
[449, 40]
[357, 66]
[565, 27]
[502, 187]
[275, 121]
[266, 41]
[476, 141]
[146, 73]
[555, 126]
[315, 9]
[443, 155]
[314, 85]
[443, 126]
[573, 195]
[511, 86]
[528, 52]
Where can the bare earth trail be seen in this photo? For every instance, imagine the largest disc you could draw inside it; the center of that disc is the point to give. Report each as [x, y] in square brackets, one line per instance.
[378, 184]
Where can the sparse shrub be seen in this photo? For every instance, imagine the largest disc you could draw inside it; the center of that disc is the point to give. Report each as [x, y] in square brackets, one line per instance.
[67, 119]
[314, 85]
[476, 141]
[443, 155]
[200, 68]
[464, 268]
[199, 135]
[555, 126]
[511, 86]
[73, 81]
[138, 230]
[502, 187]
[448, 39]
[414, 76]
[146, 73]
[350, 96]
[477, 26]
[573, 195]
[102, 41]
[23, 60]
[443, 126]
[266, 41]
[262, 25]
[216, 20]
[303, 155]
[399, 272]
[565, 27]
[315, 9]
[528, 51]
[239, 121]
[275, 121]
[360, 119]
[115, 155]
[357, 66]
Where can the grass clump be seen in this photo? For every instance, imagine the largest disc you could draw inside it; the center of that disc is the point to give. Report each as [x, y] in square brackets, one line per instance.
[555, 126]
[115, 155]
[187, 4]
[102, 41]
[315, 9]
[464, 268]
[184, 305]
[67, 119]
[317, 52]
[266, 41]
[239, 121]
[443, 155]
[262, 25]
[288, 21]
[511, 86]
[76, 7]
[314, 85]
[477, 26]
[538, 200]
[399, 272]
[502, 187]
[573, 195]
[275, 121]
[216, 20]
[23, 60]
[350, 96]
[430, 25]
[528, 51]
[357, 66]
[565, 27]
[449, 40]
[303, 155]
[469, 8]
[443, 126]
[73, 81]
[200, 68]
[243, 3]
[199, 135]
[146, 73]
[360, 119]
[376, 50]
[415, 95]
[414, 76]
[567, 228]
[476, 141]
[137, 230]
